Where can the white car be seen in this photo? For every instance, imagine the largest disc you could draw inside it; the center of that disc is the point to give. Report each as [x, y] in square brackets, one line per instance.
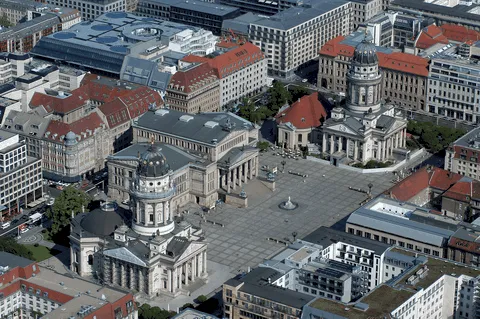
[5, 225]
[24, 230]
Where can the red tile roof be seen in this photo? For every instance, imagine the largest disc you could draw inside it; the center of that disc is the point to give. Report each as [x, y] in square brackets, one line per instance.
[115, 113]
[466, 245]
[437, 178]
[86, 125]
[230, 61]
[398, 61]
[459, 33]
[461, 191]
[305, 113]
[429, 36]
[411, 186]
[63, 105]
[192, 79]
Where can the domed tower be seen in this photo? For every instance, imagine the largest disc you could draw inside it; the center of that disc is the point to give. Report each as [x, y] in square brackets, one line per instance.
[151, 192]
[364, 79]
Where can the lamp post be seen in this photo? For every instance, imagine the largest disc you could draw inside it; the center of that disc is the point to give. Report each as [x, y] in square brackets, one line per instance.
[283, 165]
[370, 185]
[294, 234]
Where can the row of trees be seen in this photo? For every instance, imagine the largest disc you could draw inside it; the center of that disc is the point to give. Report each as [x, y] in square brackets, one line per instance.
[9, 245]
[278, 96]
[432, 136]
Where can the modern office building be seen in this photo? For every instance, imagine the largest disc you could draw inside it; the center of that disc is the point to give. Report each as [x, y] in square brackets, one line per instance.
[157, 254]
[30, 289]
[256, 295]
[293, 37]
[103, 44]
[242, 71]
[432, 288]
[454, 88]
[221, 153]
[404, 76]
[91, 9]
[20, 175]
[461, 156]
[402, 224]
[455, 12]
[205, 15]
[364, 10]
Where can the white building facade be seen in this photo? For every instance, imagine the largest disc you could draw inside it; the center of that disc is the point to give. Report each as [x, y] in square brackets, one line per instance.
[366, 128]
[198, 42]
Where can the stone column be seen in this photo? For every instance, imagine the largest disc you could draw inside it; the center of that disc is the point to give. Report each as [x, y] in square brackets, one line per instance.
[379, 150]
[132, 277]
[169, 280]
[174, 280]
[112, 271]
[355, 150]
[347, 148]
[332, 145]
[404, 141]
[340, 143]
[196, 265]
[324, 142]
[228, 181]
[234, 178]
[204, 262]
[192, 261]
[141, 280]
[155, 218]
[385, 151]
[242, 173]
[180, 275]
[250, 169]
[186, 272]
[239, 172]
[256, 166]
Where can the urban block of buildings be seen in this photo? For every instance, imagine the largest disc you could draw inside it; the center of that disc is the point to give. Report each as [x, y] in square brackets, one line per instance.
[241, 72]
[29, 289]
[103, 44]
[20, 175]
[74, 132]
[202, 14]
[157, 254]
[461, 156]
[91, 9]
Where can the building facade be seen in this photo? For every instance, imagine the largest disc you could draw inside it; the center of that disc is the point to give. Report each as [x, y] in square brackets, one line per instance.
[461, 156]
[31, 289]
[206, 15]
[20, 175]
[90, 9]
[293, 37]
[404, 80]
[363, 10]
[194, 89]
[157, 254]
[242, 72]
[454, 89]
[365, 128]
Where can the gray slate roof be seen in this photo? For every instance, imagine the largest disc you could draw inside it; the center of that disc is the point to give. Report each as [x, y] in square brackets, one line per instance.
[256, 283]
[399, 226]
[195, 129]
[241, 23]
[325, 236]
[12, 261]
[295, 16]
[176, 158]
[23, 29]
[32, 124]
[144, 72]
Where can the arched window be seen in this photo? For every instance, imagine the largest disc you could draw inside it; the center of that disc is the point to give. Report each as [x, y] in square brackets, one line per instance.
[90, 260]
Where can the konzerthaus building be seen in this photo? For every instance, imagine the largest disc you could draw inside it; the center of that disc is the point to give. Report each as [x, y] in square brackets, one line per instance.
[210, 153]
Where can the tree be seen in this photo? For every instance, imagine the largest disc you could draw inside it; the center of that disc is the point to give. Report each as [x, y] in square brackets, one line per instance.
[9, 245]
[263, 146]
[4, 22]
[279, 96]
[249, 111]
[297, 92]
[71, 200]
[202, 298]
[187, 305]
[145, 311]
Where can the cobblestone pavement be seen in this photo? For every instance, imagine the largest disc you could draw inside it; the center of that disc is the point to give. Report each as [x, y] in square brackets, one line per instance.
[323, 198]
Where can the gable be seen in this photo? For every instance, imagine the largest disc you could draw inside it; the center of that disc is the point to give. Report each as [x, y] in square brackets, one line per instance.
[193, 247]
[124, 254]
[342, 128]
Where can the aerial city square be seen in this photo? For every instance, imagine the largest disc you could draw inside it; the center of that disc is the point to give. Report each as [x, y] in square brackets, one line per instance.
[250, 159]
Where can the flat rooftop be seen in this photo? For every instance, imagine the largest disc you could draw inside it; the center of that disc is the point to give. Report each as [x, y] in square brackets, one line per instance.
[12, 261]
[469, 140]
[205, 7]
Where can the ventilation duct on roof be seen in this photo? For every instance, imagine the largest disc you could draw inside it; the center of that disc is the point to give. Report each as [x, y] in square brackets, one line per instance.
[162, 112]
[186, 118]
[210, 124]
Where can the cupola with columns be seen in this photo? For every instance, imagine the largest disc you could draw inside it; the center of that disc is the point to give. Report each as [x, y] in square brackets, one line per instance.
[364, 79]
[151, 192]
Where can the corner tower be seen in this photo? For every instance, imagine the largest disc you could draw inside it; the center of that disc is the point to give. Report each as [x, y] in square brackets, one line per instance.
[152, 190]
[364, 79]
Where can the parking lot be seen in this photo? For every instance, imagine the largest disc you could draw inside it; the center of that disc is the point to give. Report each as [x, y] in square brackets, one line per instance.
[323, 198]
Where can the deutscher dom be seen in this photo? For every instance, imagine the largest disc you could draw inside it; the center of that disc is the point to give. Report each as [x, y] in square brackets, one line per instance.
[152, 252]
[366, 128]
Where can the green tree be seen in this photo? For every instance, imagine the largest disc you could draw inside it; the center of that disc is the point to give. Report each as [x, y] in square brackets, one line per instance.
[9, 245]
[249, 111]
[71, 200]
[202, 298]
[263, 146]
[279, 96]
[145, 311]
[297, 92]
[4, 22]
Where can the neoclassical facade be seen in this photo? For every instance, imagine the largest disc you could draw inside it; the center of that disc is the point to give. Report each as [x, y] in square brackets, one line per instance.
[366, 128]
[157, 253]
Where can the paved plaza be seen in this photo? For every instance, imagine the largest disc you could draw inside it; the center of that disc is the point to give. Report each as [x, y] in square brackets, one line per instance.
[323, 197]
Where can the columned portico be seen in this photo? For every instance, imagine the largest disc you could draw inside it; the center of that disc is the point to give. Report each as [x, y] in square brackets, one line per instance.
[236, 174]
